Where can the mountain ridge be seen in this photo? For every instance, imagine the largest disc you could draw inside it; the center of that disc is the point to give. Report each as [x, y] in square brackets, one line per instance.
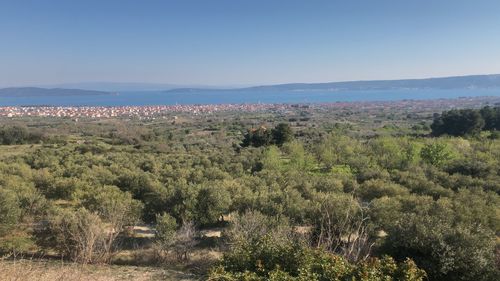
[451, 82]
[490, 81]
[48, 92]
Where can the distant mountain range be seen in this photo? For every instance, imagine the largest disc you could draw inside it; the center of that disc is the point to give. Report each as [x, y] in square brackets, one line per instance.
[43, 92]
[446, 83]
[126, 86]
[116, 86]
[98, 88]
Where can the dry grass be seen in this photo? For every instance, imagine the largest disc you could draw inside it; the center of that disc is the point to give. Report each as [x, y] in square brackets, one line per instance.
[52, 271]
[134, 263]
[199, 262]
[213, 232]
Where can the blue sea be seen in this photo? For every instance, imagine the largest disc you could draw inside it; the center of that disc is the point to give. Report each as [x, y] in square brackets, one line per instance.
[238, 97]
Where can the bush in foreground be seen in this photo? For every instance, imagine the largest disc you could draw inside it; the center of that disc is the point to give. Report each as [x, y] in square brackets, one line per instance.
[267, 260]
[266, 248]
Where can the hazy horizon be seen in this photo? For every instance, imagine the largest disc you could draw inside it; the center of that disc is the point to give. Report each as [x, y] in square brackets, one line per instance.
[165, 86]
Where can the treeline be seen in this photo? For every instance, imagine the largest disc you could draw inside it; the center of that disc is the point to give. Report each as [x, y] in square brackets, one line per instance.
[461, 122]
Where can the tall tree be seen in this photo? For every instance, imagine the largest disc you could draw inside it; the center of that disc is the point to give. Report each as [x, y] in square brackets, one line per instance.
[282, 133]
[458, 123]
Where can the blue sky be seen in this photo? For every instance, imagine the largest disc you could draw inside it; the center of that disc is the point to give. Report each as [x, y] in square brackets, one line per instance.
[241, 42]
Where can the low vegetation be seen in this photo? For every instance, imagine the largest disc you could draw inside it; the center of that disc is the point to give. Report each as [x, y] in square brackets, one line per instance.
[305, 194]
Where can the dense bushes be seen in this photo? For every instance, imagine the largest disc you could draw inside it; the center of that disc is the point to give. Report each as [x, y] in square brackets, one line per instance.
[264, 261]
[451, 239]
[352, 197]
[265, 249]
[18, 135]
[10, 211]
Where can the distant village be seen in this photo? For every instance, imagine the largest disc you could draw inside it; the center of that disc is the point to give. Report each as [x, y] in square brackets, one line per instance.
[155, 111]
[127, 111]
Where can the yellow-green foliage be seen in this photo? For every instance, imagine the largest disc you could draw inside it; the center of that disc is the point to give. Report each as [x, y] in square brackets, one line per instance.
[267, 260]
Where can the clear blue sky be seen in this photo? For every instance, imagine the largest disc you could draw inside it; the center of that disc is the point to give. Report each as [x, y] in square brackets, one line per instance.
[228, 42]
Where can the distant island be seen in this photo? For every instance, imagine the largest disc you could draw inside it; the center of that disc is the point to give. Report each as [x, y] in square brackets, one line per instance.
[43, 92]
[445, 83]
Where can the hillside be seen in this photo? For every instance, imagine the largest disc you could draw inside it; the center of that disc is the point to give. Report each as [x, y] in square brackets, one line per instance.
[43, 92]
[445, 83]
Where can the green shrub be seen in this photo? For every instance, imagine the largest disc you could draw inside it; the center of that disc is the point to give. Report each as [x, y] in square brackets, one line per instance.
[268, 260]
[10, 211]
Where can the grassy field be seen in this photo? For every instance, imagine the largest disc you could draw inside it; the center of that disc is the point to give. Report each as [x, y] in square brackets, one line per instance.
[54, 271]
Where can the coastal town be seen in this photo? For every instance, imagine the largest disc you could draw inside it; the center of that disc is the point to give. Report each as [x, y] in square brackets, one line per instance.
[157, 111]
[126, 111]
